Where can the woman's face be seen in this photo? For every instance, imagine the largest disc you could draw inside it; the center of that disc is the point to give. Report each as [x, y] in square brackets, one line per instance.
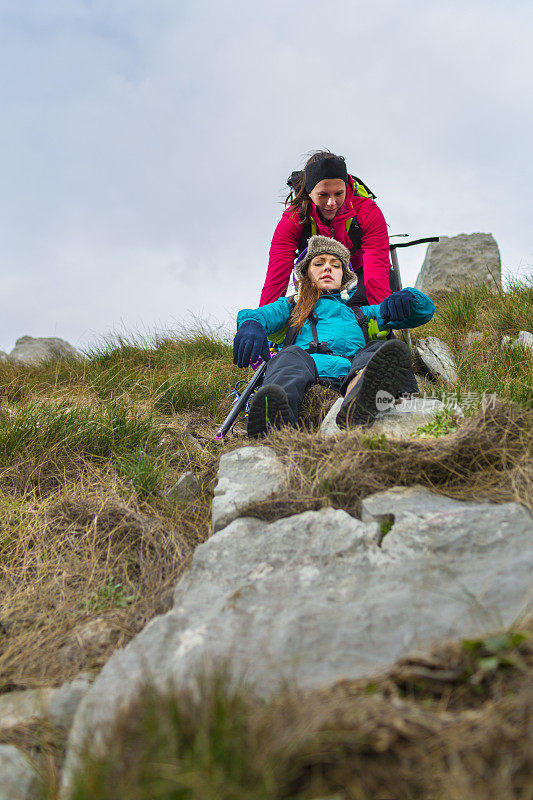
[325, 272]
[328, 196]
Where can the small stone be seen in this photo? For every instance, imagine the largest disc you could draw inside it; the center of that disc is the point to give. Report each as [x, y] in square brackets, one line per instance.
[91, 637]
[473, 336]
[185, 488]
[329, 426]
[23, 708]
[437, 358]
[18, 779]
[57, 705]
[525, 338]
[245, 476]
[192, 440]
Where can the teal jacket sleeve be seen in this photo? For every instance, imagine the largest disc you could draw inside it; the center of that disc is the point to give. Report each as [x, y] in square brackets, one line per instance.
[422, 310]
[272, 317]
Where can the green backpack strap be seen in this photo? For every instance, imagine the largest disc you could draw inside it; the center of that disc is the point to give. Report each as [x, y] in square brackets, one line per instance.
[369, 327]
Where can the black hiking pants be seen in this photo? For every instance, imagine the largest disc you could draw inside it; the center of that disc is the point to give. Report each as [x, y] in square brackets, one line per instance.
[294, 371]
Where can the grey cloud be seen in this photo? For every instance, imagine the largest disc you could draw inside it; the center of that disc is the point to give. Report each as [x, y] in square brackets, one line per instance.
[139, 139]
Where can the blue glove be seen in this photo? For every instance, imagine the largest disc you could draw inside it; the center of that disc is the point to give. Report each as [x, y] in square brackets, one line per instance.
[397, 306]
[250, 342]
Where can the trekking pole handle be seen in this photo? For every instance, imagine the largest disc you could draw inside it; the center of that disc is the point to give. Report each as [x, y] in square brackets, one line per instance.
[415, 241]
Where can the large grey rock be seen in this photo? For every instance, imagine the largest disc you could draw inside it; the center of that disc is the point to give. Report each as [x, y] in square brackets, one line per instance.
[313, 598]
[28, 350]
[398, 423]
[437, 358]
[55, 705]
[455, 261]
[245, 476]
[18, 780]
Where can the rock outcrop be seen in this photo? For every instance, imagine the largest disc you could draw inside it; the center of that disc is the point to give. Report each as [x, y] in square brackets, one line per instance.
[399, 422]
[19, 781]
[437, 359]
[455, 261]
[30, 350]
[320, 596]
[245, 476]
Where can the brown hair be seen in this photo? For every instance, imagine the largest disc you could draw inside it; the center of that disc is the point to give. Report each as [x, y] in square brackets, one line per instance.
[301, 200]
[308, 297]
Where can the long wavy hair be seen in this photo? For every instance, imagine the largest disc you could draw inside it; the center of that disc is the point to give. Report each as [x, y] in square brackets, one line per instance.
[301, 200]
[307, 300]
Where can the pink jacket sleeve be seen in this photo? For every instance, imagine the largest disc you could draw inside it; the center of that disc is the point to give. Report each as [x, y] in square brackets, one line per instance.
[375, 252]
[280, 259]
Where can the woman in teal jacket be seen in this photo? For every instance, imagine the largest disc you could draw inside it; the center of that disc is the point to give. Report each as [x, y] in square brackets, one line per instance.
[326, 342]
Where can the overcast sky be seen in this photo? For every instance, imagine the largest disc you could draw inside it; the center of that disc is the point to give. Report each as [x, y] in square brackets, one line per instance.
[145, 144]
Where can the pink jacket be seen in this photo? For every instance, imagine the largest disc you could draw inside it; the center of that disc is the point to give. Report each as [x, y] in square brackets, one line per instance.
[373, 256]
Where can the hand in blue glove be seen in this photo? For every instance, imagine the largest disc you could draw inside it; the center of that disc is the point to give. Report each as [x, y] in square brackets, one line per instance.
[397, 306]
[250, 342]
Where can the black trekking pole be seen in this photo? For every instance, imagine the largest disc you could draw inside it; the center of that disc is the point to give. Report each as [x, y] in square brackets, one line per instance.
[396, 267]
[241, 400]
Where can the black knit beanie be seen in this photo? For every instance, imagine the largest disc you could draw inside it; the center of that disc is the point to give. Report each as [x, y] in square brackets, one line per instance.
[327, 168]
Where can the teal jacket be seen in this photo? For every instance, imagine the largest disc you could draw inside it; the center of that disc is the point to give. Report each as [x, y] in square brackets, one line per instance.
[336, 326]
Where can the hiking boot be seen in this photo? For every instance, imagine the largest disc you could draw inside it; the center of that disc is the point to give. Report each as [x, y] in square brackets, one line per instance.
[382, 380]
[268, 409]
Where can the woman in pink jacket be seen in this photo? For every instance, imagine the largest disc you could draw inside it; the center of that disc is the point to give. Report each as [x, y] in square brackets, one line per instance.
[326, 204]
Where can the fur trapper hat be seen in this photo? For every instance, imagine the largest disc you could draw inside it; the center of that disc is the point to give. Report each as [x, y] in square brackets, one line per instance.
[316, 246]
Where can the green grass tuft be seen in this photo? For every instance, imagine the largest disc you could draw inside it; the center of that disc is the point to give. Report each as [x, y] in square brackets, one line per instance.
[486, 366]
[66, 432]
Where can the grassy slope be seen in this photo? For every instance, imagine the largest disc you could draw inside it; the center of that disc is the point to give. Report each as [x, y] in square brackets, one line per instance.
[89, 545]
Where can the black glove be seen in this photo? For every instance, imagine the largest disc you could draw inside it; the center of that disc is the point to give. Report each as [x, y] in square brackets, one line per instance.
[396, 306]
[250, 342]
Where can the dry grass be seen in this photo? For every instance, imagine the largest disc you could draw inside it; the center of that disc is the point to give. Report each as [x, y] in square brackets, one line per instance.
[83, 572]
[90, 547]
[490, 456]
